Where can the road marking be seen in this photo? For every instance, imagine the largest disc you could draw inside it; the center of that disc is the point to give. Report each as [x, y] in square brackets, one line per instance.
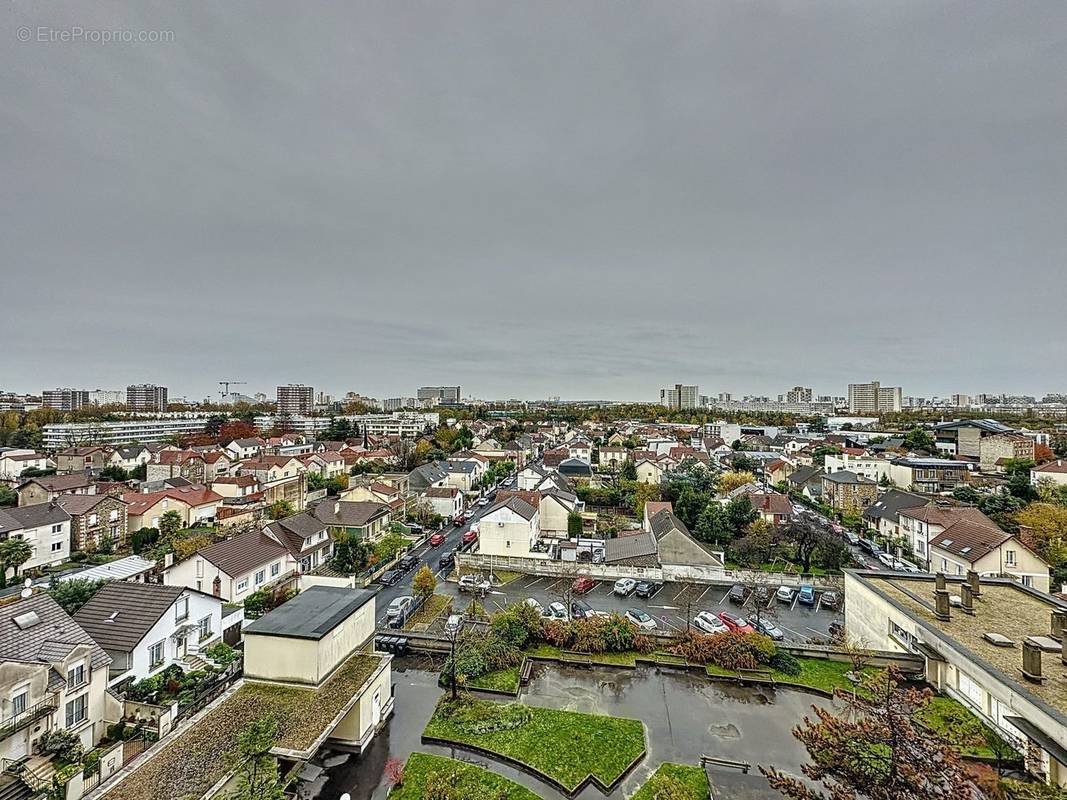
[796, 597]
[701, 595]
[678, 594]
[667, 608]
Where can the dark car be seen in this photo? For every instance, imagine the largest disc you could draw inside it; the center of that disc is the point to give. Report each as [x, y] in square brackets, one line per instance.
[647, 589]
[736, 594]
[831, 600]
[580, 609]
[768, 628]
[408, 563]
[447, 559]
[389, 577]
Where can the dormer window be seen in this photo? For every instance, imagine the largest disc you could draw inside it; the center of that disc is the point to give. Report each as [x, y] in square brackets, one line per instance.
[76, 676]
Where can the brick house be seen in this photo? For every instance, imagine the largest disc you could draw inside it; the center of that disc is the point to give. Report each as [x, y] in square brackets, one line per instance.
[847, 491]
[186, 464]
[95, 518]
[1002, 447]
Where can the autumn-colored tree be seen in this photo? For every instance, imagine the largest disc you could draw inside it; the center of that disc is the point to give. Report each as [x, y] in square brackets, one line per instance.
[1043, 453]
[424, 582]
[1043, 527]
[280, 509]
[236, 429]
[875, 750]
[729, 481]
[644, 493]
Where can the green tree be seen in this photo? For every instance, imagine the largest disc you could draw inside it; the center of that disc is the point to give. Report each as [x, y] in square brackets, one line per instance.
[280, 509]
[13, 554]
[574, 524]
[169, 525]
[819, 454]
[918, 439]
[8, 496]
[711, 525]
[258, 777]
[73, 594]
[739, 513]
[628, 471]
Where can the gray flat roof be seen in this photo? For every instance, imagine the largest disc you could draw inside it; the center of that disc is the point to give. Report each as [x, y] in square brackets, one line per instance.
[313, 613]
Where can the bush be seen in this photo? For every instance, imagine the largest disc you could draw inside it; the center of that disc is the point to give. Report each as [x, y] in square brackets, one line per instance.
[785, 662]
[64, 745]
[144, 539]
[222, 653]
[519, 625]
[729, 650]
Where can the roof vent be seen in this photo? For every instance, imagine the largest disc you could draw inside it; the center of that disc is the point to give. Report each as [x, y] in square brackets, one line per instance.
[27, 620]
[114, 615]
[998, 639]
[1046, 643]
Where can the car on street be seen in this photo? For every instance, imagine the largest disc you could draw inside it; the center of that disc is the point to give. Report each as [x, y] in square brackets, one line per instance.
[785, 594]
[535, 605]
[647, 589]
[624, 587]
[557, 610]
[459, 521]
[736, 595]
[806, 597]
[447, 559]
[887, 560]
[830, 600]
[580, 609]
[582, 584]
[483, 501]
[852, 538]
[509, 481]
[407, 563]
[453, 624]
[473, 583]
[389, 577]
[639, 618]
[905, 566]
[708, 623]
[734, 622]
[398, 611]
[768, 628]
[866, 545]
[470, 536]
[437, 539]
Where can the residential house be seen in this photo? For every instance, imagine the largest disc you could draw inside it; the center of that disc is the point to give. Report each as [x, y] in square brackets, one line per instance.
[283, 479]
[48, 487]
[308, 539]
[14, 461]
[580, 448]
[129, 457]
[873, 468]
[554, 509]
[464, 474]
[147, 627]
[238, 487]
[80, 459]
[676, 547]
[553, 458]
[195, 505]
[807, 481]
[575, 469]
[963, 437]
[529, 476]
[217, 463]
[445, 501]
[611, 459]
[367, 521]
[242, 449]
[53, 677]
[847, 491]
[511, 527]
[187, 464]
[435, 473]
[929, 475]
[1054, 472]
[882, 516]
[649, 471]
[919, 524]
[96, 519]
[778, 471]
[966, 545]
[329, 464]
[773, 507]
[235, 567]
[994, 451]
[45, 527]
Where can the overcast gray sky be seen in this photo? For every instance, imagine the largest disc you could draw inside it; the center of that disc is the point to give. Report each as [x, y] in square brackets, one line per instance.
[585, 199]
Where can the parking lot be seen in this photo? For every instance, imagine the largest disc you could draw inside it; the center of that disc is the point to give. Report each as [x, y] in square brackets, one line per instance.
[668, 606]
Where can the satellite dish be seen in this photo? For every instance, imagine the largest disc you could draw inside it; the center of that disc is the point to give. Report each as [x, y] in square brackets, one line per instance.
[27, 589]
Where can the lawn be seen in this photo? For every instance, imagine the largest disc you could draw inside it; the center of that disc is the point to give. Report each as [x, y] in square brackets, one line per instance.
[564, 746]
[817, 673]
[467, 779]
[429, 611]
[962, 729]
[502, 680]
[692, 782]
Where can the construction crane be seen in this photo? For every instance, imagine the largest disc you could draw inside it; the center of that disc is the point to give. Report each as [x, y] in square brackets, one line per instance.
[226, 386]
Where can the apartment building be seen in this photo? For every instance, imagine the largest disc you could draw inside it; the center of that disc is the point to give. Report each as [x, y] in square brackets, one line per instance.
[680, 397]
[146, 397]
[435, 395]
[143, 431]
[873, 398]
[997, 450]
[929, 475]
[295, 398]
[64, 399]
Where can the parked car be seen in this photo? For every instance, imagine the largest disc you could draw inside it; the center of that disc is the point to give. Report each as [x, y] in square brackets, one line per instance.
[624, 587]
[639, 618]
[447, 559]
[866, 545]
[453, 624]
[389, 577]
[735, 622]
[473, 583]
[437, 539]
[415, 527]
[736, 594]
[470, 536]
[831, 600]
[459, 521]
[532, 603]
[580, 609]
[768, 628]
[582, 584]
[483, 501]
[398, 611]
[905, 566]
[806, 596]
[509, 481]
[557, 610]
[785, 594]
[887, 560]
[647, 589]
[852, 538]
[407, 563]
[708, 623]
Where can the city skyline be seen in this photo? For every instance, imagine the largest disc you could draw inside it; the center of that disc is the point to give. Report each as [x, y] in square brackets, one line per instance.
[571, 202]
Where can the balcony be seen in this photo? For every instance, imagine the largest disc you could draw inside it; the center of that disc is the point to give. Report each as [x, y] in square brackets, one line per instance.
[16, 722]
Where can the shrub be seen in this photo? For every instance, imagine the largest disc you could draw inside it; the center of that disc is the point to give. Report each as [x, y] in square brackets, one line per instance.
[518, 625]
[729, 650]
[785, 662]
[222, 653]
[64, 745]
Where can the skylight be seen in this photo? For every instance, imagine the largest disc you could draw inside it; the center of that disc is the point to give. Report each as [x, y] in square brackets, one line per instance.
[27, 620]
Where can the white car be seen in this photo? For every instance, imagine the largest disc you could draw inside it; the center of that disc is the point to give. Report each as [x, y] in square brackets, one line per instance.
[624, 587]
[483, 501]
[887, 560]
[708, 622]
[785, 594]
[474, 583]
[640, 619]
[557, 611]
[454, 623]
[532, 603]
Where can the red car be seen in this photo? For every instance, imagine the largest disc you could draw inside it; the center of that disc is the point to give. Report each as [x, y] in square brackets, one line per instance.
[437, 539]
[582, 584]
[459, 521]
[470, 536]
[735, 623]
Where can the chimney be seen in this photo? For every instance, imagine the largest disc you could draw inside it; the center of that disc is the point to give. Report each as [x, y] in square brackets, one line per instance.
[974, 582]
[1032, 661]
[939, 582]
[1059, 624]
[941, 605]
[967, 599]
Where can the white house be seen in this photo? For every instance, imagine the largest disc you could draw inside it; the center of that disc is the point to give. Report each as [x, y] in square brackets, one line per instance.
[129, 457]
[241, 449]
[445, 501]
[44, 526]
[530, 476]
[1054, 472]
[146, 627]
[234, 568]
[13, 461]
[510, 528]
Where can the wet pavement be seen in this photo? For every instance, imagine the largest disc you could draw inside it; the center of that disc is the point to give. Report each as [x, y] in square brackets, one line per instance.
[685, 717]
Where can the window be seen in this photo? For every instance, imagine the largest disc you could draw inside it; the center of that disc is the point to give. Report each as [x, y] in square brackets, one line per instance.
[181, 609]
[275, 568]
[260, 577]
[1028, 580]
[18, 703]
[114, 515]
[242, 585]
[204, 627]
[57, 528]
[1009, 558]
[76, 709]
[57, 546]
[92, 519]
[155, 655]
[76, 676]
[200, 568]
